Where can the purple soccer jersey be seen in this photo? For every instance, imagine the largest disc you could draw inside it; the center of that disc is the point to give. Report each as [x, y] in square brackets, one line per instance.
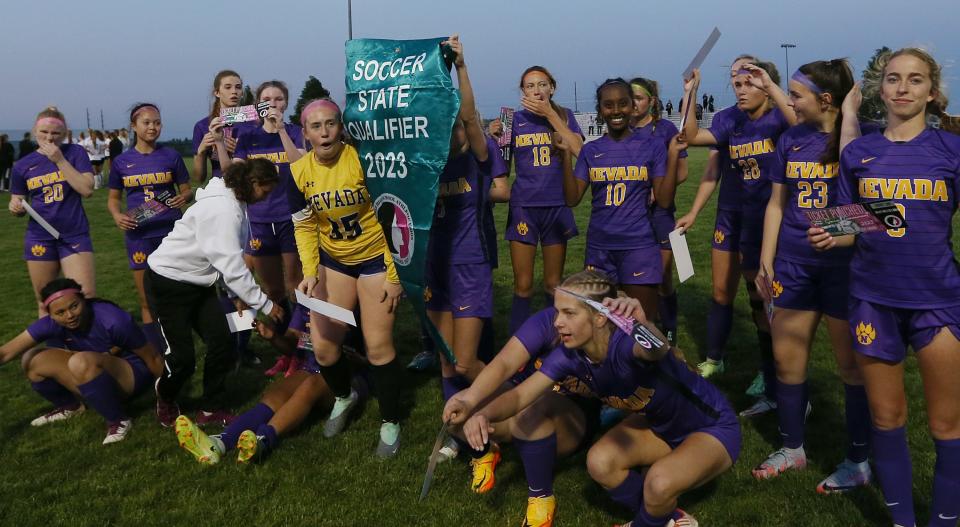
[498, 169]
[730, 180]
[539, 337]
[109, 327]
[661, 129]
[258, 143]
[810, 184]
[143, 176]
[750, 146]
[625, 382]
[913, 267]
[458, 235]
[621, 174]
[46, 190]
[539, 169]
[203, 126]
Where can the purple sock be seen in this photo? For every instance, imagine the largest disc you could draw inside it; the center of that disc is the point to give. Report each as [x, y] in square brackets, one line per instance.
[538, 457]
[103, 395]
[629, 493]
[767, 366]
[249, 420]
[519, 312]
[891, 458]
[54, 392]
[945, 508]
[452, 385]
[858, 422]
[269, 435]
[645, 519]
[719, 324]
[155, 336]
[791, 407]
[668, 311]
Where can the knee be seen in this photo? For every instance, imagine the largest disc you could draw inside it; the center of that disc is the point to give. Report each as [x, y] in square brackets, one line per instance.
[380, 353]
[522, 285]
[658, 488]
[83, 367]
[326, 353]
[602, 464]
[943, 429]
[532, 421]
[550, 284]
[464, 367]
[888, 416]
[722, 296]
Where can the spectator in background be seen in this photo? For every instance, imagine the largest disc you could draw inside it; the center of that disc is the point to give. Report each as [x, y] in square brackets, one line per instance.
[124, 138]
[680, 106]
[6, 161]
[699, 112]
[704, 99]
[116, 146]
[669, 107]
[27, 146]
[69, 140]
[710, 104]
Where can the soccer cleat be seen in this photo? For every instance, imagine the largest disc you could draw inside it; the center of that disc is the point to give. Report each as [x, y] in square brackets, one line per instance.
[340, 413]
[762, 406]
[117, 431]
[58, 414]
[283, 362]
[848, 476]
[423, 361]
[710, 367]
[216, 417]
[757, 386]
[250, 446]
[449, 451]
[389, 439]
[540, 511]
[484, 469]
[194, 440]
[294, 366]
[167, 412]
[682, 518]
[781, 461]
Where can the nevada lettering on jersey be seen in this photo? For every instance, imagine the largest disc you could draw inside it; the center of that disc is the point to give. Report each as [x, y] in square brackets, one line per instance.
[333, 199]
[453, 188]
[273, 157]
[38, 181]
[812, 170]
[903, 188]
[755, 148]
[536, 139]
[154, 178]
[629, 173]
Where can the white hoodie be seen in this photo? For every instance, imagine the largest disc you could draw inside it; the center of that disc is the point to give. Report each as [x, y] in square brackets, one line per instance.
[207, 244]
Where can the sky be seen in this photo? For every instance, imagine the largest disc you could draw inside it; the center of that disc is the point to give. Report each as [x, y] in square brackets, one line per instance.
[108, 55]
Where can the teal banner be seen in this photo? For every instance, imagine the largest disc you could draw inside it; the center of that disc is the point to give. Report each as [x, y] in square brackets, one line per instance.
[401, 105]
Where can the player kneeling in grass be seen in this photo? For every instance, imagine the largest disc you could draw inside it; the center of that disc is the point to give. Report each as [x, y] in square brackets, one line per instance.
[284, 405]
[687, 433]
[94, 352]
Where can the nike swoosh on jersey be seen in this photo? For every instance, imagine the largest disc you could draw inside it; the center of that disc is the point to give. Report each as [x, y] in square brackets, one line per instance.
[130, 165]
[519, 125]
[866, 160]
[598, 155]
[796, 148]
[892, 504]
[464, 308]
[75, 246]
[942, 517]
[640, 274]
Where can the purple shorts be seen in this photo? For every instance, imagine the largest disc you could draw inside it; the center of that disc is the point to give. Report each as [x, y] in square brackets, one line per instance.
[627, 267]
[143, 379]
[807, 287]
[270, 239]
[372, 266]
[726, 430]
[466, 290]
[138, 249]
[48, 250]
[883, 332]
[310, 364]
[663, 222]
[726, 231]
[735, 231]
[546, 225]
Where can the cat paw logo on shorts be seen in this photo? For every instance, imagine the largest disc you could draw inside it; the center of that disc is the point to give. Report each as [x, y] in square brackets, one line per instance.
[718, 236]
[255, 244]
[38, 250]
[138, 257]
[427, 294]
[865, 333]
[522, 228]
[777, 288]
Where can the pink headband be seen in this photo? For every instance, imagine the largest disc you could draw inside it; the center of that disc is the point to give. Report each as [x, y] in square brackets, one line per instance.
[315, 105]
[59, 294]
[142, 108]
[51, 120]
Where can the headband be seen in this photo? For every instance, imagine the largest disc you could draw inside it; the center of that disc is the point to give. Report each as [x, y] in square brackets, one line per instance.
[803, 79]
[642, 88]
[51, 120]
[59, 294]
[315, 105]
[133, 116]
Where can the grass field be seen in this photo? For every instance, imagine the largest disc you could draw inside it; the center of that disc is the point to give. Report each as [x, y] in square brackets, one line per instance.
[61, 475]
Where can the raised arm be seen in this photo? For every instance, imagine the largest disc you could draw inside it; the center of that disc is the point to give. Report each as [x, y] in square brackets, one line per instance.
[761, 79]
[850, 124]
[468, 111]
[691, 130]
[81, 183]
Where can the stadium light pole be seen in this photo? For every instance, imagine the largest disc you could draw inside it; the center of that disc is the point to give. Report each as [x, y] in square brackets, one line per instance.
[350, 19]
[786, 54]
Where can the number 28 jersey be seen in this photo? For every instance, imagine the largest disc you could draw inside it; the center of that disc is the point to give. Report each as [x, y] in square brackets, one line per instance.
[338, 215]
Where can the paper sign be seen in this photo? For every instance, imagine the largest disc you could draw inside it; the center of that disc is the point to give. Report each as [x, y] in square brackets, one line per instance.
[241, 320]
[151, 208]
[681, 255]
[326, 309]
[242, 114]
[702, 54]
[857, 218]
[39, 219]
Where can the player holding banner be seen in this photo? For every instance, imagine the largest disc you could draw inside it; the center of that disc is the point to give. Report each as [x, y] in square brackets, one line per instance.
[52, 180]
[896, 302]
[805, 285]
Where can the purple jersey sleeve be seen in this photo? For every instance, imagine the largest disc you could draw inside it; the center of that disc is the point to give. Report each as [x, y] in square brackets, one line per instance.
[559, 364]
[18, 183]
[537, 334]
[43, 329]
[847, 187]
[124, 331]
[498, 167]
[199, 130]
[721, 127]
[180, 173]
[78, 158]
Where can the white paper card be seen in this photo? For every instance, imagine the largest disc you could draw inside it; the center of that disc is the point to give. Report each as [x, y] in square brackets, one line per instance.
[327, 309]
[681, 255]
[241, 323]
[39, 219]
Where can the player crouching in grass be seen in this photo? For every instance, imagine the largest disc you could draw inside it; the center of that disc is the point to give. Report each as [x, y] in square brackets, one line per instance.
[94, 353]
